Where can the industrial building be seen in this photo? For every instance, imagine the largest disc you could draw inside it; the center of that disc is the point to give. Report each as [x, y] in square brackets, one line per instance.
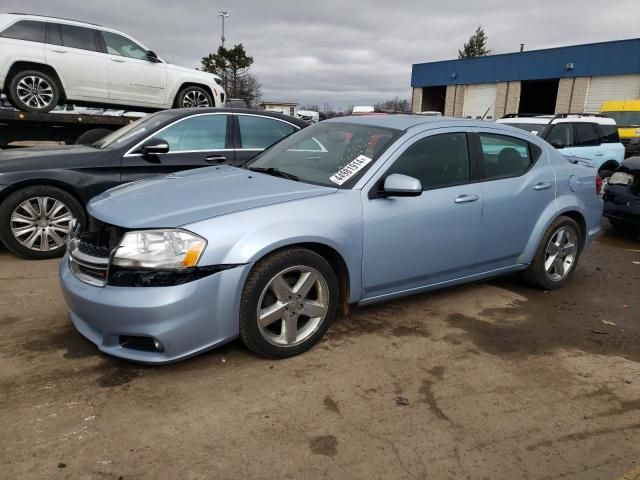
[576, 78]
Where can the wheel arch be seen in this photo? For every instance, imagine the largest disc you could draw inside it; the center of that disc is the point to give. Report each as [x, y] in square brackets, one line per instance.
[610, 165]
[331, 255]
[28, 65]
[48, 182]
[577, 217]
[193, 84]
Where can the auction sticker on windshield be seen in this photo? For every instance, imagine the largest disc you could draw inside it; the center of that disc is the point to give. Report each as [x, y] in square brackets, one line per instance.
[350, 169]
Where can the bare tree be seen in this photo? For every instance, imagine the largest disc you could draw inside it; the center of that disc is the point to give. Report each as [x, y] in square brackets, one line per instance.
[393, 105]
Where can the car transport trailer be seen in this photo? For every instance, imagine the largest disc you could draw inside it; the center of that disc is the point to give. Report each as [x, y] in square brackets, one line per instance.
[18, 126]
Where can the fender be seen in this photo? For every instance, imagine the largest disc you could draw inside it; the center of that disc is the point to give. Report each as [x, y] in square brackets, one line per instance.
[246, 237]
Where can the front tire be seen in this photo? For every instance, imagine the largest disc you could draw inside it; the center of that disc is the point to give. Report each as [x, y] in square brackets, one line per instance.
[33, 91]
[35, 221]
[194, 97]
[288, 302]
[557, 256]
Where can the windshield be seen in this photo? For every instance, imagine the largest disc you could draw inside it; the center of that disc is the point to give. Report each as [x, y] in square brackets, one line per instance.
[329, 154]
[534, 128]
[133, 130]
[625, 119]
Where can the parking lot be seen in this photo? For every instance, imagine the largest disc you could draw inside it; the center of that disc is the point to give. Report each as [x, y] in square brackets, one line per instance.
[492, 380]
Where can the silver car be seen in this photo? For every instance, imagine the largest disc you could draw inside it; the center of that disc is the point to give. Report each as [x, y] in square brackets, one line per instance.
[350, 211]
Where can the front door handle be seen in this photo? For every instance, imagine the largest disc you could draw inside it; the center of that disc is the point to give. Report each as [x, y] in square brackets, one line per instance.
[58, 50]
[118, 60]
[542, 186]
[215, 159]
[466, 199]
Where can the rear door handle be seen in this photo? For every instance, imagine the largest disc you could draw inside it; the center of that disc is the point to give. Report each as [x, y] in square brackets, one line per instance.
[599, 154]
[466, 199]
[215, 159]
[58, 50]
[542, 186]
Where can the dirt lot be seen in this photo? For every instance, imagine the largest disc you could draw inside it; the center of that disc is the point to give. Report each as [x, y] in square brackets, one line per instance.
[488, 381]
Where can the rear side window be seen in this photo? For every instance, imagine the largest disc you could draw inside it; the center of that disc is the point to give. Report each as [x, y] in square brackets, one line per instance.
[609, 134]
[586, 135]
[78, 37]
[437, 161]
[28, 30]
[261, 132]
[504, 156]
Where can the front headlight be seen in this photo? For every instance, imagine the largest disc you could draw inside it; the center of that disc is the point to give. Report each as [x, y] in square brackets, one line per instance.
[218, 80]
[159, 249]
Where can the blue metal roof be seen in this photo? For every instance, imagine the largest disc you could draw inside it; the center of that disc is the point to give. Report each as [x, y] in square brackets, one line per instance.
[608, 58]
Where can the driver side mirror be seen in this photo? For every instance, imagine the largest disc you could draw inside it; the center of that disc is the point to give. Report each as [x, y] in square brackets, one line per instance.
[557, 144]
[152, 57]
[155, 146]
[398, 185]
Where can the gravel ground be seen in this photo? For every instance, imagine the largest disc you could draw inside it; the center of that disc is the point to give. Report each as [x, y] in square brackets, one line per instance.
[487, 381]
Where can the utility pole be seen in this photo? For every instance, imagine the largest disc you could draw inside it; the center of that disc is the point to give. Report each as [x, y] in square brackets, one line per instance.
[223, 15]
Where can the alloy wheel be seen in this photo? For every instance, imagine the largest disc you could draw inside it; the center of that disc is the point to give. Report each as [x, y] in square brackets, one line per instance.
[195, 98]
[35, 92]
[560, 254]
[292, 306]
[41, 223]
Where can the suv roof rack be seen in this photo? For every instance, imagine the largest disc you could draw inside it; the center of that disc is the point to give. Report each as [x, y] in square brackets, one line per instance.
[578, 114]
[57, 18]
[516, 115]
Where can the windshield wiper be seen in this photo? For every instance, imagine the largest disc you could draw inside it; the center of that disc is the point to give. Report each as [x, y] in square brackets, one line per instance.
[275, 172]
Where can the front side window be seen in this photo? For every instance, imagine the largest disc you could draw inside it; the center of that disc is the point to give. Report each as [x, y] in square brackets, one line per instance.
[122, 46]
[78, 37]
[197, 133]
[504, 156]
[29, 30]
[437, 161]
[333, 154]
[560, 134]
[586, 135]
[261, 132]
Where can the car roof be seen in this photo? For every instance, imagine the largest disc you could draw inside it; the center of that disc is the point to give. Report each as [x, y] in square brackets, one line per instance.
[538, 120]
[44, 18]
[407, 121]
[186, 112]
[586, 119]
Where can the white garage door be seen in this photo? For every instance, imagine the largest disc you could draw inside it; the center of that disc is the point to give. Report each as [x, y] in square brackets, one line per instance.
[616, 87]
[477, 99]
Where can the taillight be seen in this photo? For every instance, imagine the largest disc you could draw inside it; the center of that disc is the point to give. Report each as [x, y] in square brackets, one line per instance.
[598, 185]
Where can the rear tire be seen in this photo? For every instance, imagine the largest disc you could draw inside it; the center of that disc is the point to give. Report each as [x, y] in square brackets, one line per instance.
[33, 91]
[288, 302]
[194, 97]
[35, 221]
[557, 256]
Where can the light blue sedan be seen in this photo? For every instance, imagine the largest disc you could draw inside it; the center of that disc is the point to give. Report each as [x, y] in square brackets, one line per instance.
[347, 212]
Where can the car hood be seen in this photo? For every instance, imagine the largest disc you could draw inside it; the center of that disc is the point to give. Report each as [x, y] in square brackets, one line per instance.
[193, 72]
[195, 195]
[35, 158]
[45, 151]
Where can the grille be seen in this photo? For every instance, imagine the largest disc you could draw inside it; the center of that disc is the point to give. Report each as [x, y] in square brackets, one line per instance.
[625, 141]
[89, 252]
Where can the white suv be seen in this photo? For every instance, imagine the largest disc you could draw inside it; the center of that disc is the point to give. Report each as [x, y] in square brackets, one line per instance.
[585, 135]
[45, 61]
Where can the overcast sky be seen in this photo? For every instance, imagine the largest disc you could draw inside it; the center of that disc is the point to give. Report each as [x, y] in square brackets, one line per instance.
[350, 51]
